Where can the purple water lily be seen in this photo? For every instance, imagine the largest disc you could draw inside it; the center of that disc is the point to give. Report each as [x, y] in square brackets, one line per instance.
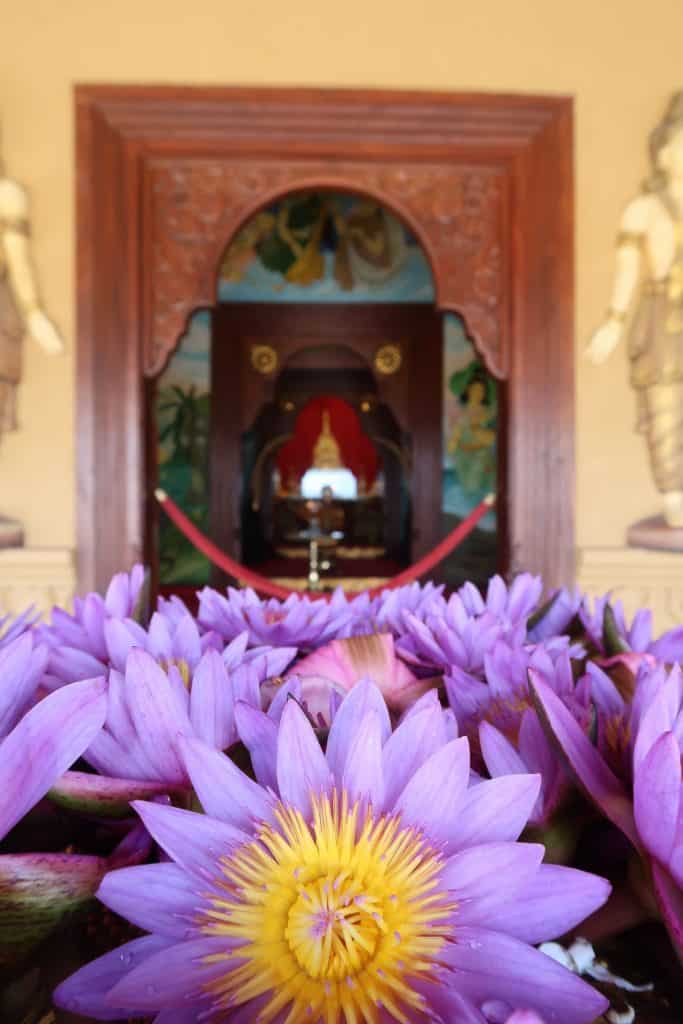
[608, 630]
[77, 642]
[652, 815]
[463, 632]
[497, 713]
[344, 885]
[171, 639]
[151, 706]
[298, 621]
[384, 613]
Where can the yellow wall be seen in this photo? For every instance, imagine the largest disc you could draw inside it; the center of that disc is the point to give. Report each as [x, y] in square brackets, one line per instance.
[620, 58]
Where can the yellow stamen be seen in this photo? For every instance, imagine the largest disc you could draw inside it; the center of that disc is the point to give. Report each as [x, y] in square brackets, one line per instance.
[331, 920]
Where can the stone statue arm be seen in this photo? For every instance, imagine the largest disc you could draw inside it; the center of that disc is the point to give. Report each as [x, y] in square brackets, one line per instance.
[626, 280]
[16, 256]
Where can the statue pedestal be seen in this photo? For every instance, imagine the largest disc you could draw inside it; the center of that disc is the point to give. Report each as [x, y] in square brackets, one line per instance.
[11, 533]
[654, 533]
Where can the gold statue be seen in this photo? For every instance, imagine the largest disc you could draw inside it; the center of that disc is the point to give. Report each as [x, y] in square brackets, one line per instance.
[650, 268]
[326, 453]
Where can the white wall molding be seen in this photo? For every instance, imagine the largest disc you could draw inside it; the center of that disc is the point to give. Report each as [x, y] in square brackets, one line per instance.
[39, 576]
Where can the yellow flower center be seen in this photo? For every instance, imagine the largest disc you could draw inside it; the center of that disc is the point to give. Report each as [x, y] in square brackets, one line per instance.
[181, 665]
[334, 919]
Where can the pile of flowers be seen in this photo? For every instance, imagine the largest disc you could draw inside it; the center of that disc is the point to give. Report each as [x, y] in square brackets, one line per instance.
[348, 811]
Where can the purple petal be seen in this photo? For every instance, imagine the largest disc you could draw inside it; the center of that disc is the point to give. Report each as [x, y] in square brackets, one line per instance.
[194, 841]
[418, 736]
[494, 811]
[212, 710]
[499, 755]
[45, 743]
[302, 770]
[492, 966]
[555, 901]
[361, 699]
[259, 733]
[157, 714]
[21, 667]
[159, 898]
[172, 977]
[363, 778]
[669, 898]
[432, 796]
[84, 992]
[120, 642]
[657, 797]
[224, 791]
[481, 878]
[591, 772]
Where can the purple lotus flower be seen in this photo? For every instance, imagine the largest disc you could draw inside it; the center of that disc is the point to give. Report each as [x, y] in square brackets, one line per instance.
[652, 817]
[344, 885]
[555, 617]
[11, 628]
[384, 613]
[463, 632]
[498, 715]
[39, 746]
[171, 639]
[150, 707]
[607, 628]
[298, 621]
[77, 643]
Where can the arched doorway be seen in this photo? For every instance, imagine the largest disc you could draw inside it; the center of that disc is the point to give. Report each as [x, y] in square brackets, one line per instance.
[166, 175]
[325, 309]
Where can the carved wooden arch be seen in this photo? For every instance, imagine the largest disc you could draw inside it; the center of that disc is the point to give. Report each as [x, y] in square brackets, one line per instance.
[456, 215]
[166, 175]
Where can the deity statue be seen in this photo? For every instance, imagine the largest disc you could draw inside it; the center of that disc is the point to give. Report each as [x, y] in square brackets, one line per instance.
[649, 278]
[20, 314]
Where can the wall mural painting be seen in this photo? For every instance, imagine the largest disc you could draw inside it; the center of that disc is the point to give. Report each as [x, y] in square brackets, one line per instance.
[182, 414]
[323, 247]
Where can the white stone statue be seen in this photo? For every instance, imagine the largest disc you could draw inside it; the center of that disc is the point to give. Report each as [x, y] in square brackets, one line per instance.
[20, 315]
[647, 308]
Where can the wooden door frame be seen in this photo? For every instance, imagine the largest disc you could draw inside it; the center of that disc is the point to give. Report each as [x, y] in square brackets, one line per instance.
[167, 175]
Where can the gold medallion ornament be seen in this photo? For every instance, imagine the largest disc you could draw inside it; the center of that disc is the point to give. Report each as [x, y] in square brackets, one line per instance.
[264, 359]
[388, 359]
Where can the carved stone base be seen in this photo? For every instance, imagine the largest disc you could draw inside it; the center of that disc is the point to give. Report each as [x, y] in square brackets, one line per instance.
[39, 576]
[11, 533]
[638, 578]
[655, 533]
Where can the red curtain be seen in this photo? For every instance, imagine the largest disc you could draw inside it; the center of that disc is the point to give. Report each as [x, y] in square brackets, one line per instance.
[357, 451]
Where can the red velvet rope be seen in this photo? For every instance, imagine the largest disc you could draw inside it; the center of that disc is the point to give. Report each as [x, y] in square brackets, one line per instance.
[265, 586]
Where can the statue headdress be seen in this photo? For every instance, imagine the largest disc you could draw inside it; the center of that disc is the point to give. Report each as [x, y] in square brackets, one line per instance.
[660, 135]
